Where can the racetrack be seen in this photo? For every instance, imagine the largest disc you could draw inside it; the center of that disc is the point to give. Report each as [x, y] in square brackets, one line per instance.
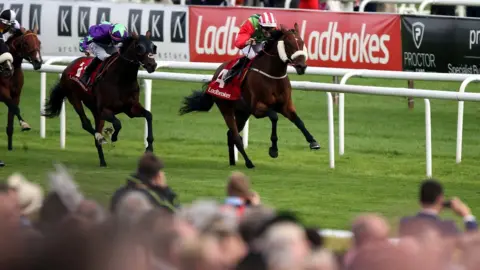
[384, 152]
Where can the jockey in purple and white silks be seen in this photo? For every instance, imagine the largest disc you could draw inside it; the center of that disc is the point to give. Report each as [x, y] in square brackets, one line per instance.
[102, 40]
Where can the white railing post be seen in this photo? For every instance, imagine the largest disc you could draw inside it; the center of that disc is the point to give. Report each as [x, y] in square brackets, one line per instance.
[463, 86]
[341, 111]
[244, 134]
[43, 94]
[331, 132]
[63, 123]
[147, 86]
[428, 138]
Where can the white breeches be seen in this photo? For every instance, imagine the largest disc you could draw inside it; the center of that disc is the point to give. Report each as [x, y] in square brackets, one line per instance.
[253, 51]
[101, 52]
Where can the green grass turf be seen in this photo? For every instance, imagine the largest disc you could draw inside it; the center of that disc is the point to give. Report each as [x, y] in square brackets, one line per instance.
[383, 164]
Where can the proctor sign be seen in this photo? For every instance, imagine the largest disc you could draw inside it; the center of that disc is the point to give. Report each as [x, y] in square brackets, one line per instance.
[440, 44]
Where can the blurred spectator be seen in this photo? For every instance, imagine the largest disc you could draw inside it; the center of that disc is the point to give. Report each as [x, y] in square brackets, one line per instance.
[149, 179]
[239, 195]
[370, 7]
[433, 202]
[340, 5]
[321, 260]
[367, 229]
[446, 10]
[30, 195]
[132, 206]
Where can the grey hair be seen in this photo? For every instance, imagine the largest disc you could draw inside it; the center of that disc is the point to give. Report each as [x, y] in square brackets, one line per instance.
[62, 183]
[132, 206]
[205, 214]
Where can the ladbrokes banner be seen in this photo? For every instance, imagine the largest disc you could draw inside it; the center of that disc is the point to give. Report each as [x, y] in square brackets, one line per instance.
[441, 44]
[340, 40]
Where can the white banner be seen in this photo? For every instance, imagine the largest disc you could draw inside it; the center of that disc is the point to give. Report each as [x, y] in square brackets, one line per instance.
[62, 24]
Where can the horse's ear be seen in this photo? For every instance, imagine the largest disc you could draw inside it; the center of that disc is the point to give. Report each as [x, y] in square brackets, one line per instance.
[282, 28]
[148, 34]
[295, 26]
[23, 30]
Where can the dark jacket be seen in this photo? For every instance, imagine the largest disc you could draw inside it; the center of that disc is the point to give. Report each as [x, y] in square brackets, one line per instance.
[160, 197]
[447, 227]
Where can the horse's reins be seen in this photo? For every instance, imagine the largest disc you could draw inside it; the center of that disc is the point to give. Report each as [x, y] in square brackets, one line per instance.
[287, 60]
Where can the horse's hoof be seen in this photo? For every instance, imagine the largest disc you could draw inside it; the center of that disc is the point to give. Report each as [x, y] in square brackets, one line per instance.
[149, 149]
[100, 139]
[25, 126]
[314, 145]
[273, 152]
[114, 139]
[249, 165]
[103, 164]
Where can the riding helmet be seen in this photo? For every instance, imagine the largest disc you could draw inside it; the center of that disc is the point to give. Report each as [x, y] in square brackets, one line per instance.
[8, 17]
[119, 32]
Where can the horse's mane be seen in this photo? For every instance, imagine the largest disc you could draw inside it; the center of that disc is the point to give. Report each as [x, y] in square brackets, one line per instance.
[275, 36]
[127, 43]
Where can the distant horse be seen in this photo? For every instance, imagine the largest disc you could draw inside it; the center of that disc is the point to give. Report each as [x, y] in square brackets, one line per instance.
[22, 44]
[261, 93]
[115, 90]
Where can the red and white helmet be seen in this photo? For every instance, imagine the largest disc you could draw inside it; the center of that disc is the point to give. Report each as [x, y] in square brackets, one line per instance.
[267, 20]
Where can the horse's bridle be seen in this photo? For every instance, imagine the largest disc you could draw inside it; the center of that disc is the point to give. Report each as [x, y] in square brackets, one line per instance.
[136, 61]
[24, 55]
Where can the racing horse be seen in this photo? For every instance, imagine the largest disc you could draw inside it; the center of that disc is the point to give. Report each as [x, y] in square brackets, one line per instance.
[264, 90]
[23, 44]
[114, 90]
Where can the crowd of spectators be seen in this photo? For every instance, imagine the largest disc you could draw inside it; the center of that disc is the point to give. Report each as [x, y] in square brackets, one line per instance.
[144, 227]
[332, 5]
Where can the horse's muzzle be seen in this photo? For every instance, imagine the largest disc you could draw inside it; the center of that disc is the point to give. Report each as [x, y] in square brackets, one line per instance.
[300, 69]
[36, 64]
[151, 67]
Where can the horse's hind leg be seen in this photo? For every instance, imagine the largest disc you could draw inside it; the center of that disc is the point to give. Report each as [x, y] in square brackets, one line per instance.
[10, 130]
[78, 106]
[241, 118]
[289, 112]
[228, 112]
[117, 125]
[99, 139]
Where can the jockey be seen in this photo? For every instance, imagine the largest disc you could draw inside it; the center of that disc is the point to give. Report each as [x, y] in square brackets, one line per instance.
[102, 40]
[253, 32]
[8, 25]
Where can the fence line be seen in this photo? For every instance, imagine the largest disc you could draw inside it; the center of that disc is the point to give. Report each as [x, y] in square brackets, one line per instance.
[335, 72]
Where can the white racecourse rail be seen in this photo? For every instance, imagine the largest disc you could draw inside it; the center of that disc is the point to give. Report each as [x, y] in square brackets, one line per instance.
[346, 73]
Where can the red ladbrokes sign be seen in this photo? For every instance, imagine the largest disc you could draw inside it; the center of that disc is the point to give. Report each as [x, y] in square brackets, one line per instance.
[340, 40]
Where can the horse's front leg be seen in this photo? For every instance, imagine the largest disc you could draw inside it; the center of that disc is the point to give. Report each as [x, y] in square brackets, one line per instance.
[137, 110]
[290, 113]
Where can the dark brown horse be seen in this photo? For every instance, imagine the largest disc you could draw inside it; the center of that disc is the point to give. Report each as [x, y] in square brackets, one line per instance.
[266, 90]
[115, 90]
[22, 44]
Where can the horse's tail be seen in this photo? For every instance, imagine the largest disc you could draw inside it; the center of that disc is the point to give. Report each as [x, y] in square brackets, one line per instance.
[198, 101]
[54, 104]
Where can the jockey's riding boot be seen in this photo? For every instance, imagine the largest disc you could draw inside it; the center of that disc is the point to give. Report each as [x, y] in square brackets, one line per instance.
[236, 69]
[88, 71]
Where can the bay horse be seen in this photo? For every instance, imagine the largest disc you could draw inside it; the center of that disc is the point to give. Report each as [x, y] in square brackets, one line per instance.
[265, 90]
[23, 44]
[114, 90]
